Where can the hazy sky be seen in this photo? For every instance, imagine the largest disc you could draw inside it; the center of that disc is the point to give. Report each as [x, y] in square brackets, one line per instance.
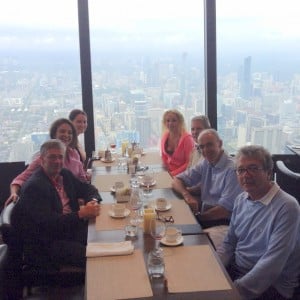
[282, 16]
[241, 23]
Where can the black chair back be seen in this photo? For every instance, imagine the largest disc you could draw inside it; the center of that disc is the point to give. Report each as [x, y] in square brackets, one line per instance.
[8, 171]
[288, 179]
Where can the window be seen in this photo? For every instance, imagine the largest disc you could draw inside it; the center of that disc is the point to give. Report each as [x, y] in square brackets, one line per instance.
[258, 73]
[147, 56]
[39, 72]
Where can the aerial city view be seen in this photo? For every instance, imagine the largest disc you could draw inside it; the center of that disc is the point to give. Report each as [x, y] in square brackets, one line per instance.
[253, 107]
[142, 67]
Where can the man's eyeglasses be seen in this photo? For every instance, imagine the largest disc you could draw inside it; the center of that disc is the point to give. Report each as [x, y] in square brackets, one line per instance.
[166, 219]
[53, 157]
[250, 170]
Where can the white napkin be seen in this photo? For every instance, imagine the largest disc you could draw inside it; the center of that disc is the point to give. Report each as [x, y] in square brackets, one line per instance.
[108, 249]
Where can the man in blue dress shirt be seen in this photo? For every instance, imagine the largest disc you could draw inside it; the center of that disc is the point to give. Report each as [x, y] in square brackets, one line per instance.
[261, 249]
[216, 179]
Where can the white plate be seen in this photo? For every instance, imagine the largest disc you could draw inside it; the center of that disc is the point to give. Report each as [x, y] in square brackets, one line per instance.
[126, 213]
[107, 161]
[176, 243]
[168, 206]
[152, 184]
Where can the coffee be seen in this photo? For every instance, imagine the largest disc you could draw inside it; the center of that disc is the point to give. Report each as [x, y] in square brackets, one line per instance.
[172, 234]
[161, 203]
[118, 209]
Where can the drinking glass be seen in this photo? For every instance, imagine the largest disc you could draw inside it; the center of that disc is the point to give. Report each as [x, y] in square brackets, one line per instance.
[122, 164]
[112, 144]
[119, 187]
[156, 265]
[135, 203]
[95, 155]
[148, 181]
[157, 230]
[124, 147]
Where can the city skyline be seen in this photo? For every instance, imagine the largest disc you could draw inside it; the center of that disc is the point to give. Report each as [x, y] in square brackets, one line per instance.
[116, 92]
[153, 53]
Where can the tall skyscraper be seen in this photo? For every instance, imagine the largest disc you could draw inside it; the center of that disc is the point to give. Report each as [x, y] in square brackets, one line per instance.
[143, 126]
[183, 78]
[245, 80]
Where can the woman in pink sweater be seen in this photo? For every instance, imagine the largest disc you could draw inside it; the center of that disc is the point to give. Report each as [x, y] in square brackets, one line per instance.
[64, 130]
[176, 143]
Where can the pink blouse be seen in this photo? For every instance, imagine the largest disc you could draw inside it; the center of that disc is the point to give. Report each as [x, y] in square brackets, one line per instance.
[179, 160]
[71, 163]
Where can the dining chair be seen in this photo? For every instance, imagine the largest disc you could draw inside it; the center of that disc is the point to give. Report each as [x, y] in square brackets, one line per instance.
[287, 179]
[20, 277]
[9, 170]
[3, 259]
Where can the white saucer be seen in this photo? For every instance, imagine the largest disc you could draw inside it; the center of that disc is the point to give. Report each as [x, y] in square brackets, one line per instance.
[126, 213]
[152, 183]
[176, 243]
[107, 161]
[168, 206]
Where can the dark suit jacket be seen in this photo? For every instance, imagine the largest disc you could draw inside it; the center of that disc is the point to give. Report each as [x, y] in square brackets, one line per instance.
[38, 218]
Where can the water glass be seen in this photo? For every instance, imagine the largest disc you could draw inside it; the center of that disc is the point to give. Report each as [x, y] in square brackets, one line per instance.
[131, 230]
[148, 181]
[156, 264]
[122, 164]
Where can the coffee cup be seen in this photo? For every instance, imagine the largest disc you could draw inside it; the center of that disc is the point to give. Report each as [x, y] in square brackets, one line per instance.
[118, 209]
[172, 234]
[161, 203]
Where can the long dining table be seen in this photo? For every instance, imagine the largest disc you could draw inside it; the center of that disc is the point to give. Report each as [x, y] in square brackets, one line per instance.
[192, 269]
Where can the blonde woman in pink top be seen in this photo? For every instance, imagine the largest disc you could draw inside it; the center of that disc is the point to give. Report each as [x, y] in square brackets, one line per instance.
[176, 143]
[64, 130]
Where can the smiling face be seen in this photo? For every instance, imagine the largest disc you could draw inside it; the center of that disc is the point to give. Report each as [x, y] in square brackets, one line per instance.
[52, 161]
[211, 147]
[171, 122]
[64, 133]
[80, 123]
[254, 179]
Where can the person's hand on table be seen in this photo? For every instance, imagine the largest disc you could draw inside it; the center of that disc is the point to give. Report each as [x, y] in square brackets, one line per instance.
[90, 210]
[191, 201]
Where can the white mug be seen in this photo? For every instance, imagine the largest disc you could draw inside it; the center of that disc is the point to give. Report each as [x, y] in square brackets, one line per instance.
[172, 234]
[118, 209]
[161, 203]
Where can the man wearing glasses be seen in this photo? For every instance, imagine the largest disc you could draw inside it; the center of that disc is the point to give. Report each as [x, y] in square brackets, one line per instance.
[261, 249]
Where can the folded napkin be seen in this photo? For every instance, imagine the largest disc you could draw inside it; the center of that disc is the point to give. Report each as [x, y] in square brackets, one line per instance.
[109, 249]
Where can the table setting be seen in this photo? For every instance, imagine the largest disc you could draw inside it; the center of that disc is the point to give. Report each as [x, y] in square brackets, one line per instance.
[149, 243]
